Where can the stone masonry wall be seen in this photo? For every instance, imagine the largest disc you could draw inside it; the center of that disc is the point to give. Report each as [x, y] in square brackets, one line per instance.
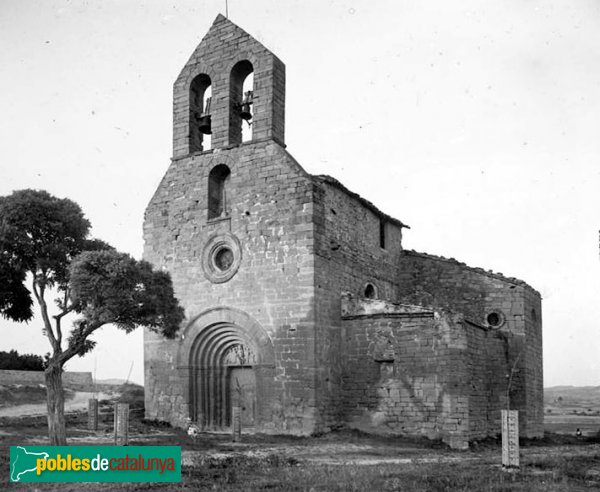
[533, 363]
[268, 215]
[271, 213]
[406, 374]
[347, 256]
[449, 285]
[487, 361]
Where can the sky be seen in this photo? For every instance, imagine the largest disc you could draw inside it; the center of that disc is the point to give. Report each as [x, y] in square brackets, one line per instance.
[475, 122]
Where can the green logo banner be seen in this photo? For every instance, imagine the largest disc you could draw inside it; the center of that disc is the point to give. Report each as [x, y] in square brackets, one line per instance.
[95, 464]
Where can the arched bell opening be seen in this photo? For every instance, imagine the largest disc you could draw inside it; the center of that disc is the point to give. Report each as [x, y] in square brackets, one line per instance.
[200, 120]
[222, 362]
[241, 94]
[247, 110]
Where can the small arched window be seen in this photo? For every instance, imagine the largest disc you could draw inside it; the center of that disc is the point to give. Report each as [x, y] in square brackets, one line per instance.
[218, 184]
[241, 92]
[370, 291]
[200, 117]
[533, 315]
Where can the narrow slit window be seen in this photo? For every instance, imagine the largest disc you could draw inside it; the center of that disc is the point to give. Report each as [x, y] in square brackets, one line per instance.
[382, 237]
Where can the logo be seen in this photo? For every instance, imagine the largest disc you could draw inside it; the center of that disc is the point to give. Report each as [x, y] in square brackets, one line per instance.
[95, 464]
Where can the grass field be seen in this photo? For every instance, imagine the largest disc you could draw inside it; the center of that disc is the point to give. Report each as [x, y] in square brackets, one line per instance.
[339, 461]
[568, 408]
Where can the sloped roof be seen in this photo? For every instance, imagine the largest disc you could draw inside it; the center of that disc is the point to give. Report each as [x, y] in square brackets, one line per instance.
[487, 273]
[324, 178]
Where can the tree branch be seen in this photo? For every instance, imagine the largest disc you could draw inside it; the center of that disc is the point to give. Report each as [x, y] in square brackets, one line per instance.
[58, 318]
[58, 330]
[64, 312]
[73, 349]
[63, 303]
[39, 295]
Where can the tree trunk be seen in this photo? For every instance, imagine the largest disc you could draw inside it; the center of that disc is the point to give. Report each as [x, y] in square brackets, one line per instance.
[56, 405]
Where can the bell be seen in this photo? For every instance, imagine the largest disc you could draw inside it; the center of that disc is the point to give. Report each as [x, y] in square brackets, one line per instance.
[245, 112]
[204, 118]
[204, 124]
[244, 108]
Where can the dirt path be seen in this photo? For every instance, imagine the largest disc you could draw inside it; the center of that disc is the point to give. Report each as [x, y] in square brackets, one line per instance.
[78, 402]
[353, 454]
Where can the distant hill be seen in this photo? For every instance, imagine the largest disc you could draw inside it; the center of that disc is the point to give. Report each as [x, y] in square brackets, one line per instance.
[110, 381]
[587, 397]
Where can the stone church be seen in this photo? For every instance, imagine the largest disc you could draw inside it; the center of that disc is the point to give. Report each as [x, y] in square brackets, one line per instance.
[302, 307]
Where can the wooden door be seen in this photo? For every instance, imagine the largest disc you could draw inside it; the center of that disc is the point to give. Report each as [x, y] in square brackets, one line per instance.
[242, 384]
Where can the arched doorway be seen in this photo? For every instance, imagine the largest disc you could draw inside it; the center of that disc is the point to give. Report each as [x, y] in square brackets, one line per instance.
[229, 358]
[222, 375]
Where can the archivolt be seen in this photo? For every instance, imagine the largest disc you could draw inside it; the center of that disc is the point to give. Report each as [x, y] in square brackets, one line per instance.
[204, 346]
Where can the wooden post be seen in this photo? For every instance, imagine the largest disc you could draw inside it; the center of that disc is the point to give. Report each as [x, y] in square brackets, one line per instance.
[236, 421]
[510, 439]
[93, 414]
[121, 424]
